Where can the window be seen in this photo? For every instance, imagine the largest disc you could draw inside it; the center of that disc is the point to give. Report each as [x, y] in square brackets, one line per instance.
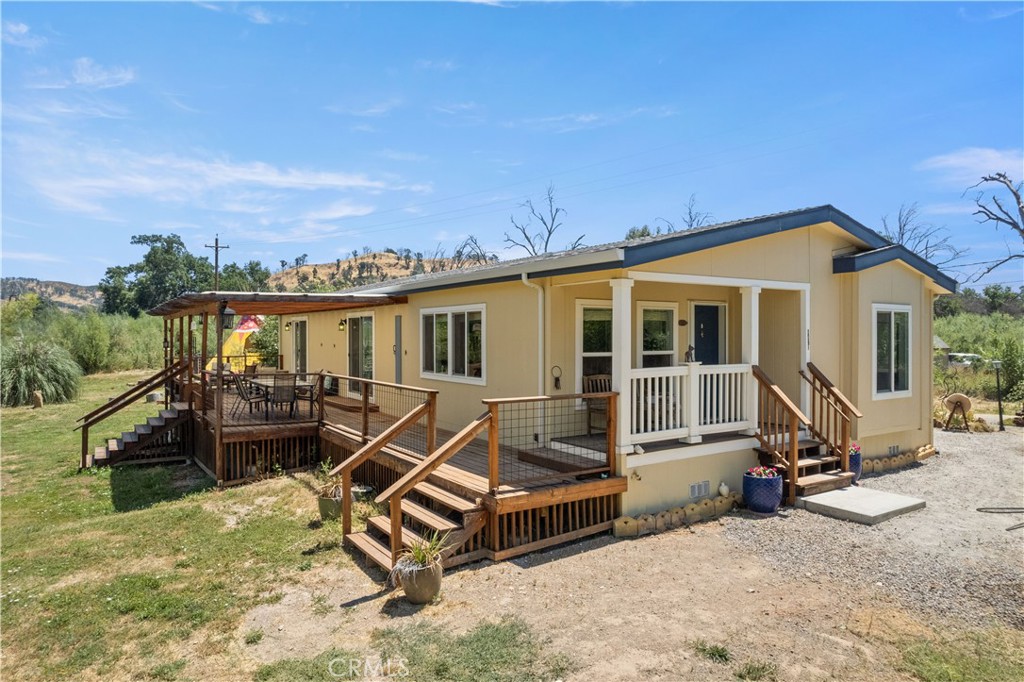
[891, 364]
[453, 343]
[656, 335]
[595, 334]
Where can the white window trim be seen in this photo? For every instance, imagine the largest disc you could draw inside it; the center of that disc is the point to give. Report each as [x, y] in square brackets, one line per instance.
[892, 308]
[348, 344]
[448, 310]
[723, 327]
[641, 306]
[582, 303]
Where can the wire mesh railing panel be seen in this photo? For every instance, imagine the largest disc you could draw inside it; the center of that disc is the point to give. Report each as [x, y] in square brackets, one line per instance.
[548, 439]
[370, 408]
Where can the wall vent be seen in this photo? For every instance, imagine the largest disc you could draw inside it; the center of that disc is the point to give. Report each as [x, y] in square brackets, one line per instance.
[894, 450]
[702, 489]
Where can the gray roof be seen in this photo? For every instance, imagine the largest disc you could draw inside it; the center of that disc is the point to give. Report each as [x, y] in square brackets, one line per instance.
[631, 252]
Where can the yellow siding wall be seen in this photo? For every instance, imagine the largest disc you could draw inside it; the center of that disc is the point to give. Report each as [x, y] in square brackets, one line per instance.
[662, 486]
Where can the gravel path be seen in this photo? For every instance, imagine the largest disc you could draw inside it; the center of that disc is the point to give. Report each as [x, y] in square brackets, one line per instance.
[947, 559]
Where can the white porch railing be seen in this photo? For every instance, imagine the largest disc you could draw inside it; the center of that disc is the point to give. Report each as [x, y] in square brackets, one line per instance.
[687, 401]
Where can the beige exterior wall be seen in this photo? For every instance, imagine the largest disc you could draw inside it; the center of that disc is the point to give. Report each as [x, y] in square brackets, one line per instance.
[659, 487]
[838, 311]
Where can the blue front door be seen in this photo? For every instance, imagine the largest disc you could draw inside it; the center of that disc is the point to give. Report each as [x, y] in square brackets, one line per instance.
[706, 334]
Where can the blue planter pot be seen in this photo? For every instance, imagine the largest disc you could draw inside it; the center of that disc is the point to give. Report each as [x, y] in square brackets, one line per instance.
[855, 465]
[762, 495]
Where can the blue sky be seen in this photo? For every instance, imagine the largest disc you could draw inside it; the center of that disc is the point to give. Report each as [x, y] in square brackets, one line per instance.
[320, 128]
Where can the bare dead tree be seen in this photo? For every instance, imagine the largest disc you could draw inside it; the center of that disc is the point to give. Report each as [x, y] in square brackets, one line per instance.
[693, 217]
[931, 242]
[536, 243]
[991, 210]
[469, 252]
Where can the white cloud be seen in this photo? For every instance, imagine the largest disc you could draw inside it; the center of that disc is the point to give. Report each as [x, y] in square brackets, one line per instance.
[456, 107]
[34, 257]
[965, 167]
[381, 108]
[258, 15]
[88, 74]
[565, 123]
[337, 211]
[990, 14]
[20, 35]
[963, 208]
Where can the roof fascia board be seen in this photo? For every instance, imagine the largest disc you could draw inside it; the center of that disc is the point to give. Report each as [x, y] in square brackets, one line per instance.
[699, 241]
[870, 259]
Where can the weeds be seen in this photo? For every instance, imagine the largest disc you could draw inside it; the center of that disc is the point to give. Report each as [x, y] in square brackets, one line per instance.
[254, 636]
[712, 652]
[757, 670]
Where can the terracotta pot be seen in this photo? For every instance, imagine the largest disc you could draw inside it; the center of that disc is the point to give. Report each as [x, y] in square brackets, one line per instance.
[422, 584]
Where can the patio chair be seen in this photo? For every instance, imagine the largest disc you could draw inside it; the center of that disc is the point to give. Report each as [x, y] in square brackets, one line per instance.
[282, 393]
[310, 394]
[596, 383]
[245, 396]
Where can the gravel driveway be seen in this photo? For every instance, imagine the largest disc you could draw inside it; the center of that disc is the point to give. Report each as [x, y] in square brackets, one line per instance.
[947, 559]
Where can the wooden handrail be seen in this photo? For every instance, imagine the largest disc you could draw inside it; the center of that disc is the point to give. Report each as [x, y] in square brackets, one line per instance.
[384, 384]
[369, 450]
[843, 400]
[147, 385]
[436, 459]
[766, 381]
[545, 398]
[124, 400]
[779, 433]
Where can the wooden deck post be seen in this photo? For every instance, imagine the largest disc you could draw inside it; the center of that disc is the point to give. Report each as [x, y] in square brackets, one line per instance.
[85, 443]
[191, 351]
[320, 399]
[794, 454]
[844, 456]
[219, 399]
[431, 423]
[346, 502]
[492, 448]
[366, 411]
[203, 383]
[611, 427]
[396, 528]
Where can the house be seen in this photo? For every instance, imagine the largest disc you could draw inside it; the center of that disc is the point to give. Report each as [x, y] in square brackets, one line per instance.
[571, 387]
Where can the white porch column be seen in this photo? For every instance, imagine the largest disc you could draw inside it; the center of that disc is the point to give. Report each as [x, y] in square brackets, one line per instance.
[805, 348]
[750, 348]
[622, 305]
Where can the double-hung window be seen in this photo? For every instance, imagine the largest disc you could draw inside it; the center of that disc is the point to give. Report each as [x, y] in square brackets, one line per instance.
[452, 344]
[892, 357]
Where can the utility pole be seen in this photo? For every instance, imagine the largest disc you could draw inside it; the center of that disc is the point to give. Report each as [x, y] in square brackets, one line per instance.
[216, 260]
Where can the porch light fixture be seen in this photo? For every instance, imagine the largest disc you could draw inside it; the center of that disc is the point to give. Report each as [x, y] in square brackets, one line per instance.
[287, 326]
[997, 364]
[341, 324]
[227, 316]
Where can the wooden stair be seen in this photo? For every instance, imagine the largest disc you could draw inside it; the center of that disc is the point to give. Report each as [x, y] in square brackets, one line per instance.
[427, 509]
[818, 471]
[140, 438]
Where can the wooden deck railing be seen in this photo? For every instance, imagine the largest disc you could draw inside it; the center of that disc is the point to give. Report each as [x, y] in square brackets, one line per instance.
[375, 406]
[832, 415]
[393, 495]
[533, 439]
[778, 427]
[164, 378]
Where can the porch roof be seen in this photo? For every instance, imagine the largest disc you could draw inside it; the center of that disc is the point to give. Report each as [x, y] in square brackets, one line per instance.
[259, 303]
[868, 259]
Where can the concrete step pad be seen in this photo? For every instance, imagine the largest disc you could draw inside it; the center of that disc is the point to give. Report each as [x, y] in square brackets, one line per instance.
[860, 505]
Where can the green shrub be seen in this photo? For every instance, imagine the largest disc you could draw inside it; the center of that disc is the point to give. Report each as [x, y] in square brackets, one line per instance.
[29, 365]
[87, 337]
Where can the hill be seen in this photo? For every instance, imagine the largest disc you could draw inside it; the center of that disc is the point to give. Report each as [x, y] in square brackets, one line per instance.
[64, 294]
[365, 268]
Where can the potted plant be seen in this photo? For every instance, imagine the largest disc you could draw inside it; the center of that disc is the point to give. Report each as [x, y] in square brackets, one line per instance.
[418, 571]
[329, 497]
[855, 461]
[762, 489]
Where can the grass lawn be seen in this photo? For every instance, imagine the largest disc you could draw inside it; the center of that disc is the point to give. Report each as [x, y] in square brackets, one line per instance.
[113, 570]
[145, 572]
